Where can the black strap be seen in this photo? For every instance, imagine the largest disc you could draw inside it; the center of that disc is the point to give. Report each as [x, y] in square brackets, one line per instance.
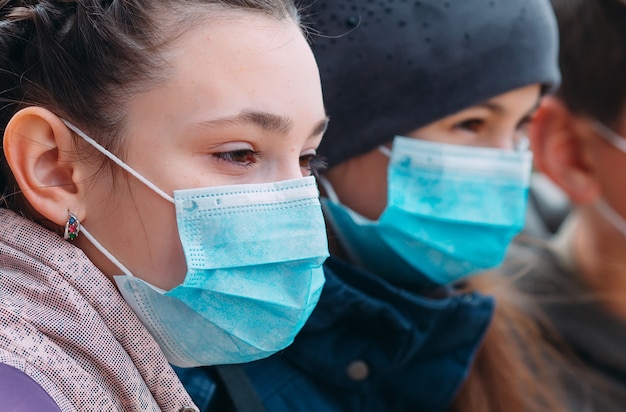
[239, 388]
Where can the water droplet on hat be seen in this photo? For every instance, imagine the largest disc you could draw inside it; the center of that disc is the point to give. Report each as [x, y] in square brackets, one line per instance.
[352, 21]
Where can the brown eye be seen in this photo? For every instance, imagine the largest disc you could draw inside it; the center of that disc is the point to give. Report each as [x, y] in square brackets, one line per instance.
[524, 124]
[471, 125]
[312, 163]
[244, 157]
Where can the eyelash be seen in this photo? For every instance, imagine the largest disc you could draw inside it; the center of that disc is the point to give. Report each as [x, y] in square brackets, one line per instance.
[470, 124]
[524, 122]
[311, 162]
[231, 157]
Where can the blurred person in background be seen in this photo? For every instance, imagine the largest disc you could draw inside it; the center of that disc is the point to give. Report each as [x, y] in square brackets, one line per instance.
[579, 277]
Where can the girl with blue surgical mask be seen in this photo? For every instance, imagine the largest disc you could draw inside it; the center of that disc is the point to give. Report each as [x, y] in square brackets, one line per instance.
[426, 186]
[463, 177]
[157, 200]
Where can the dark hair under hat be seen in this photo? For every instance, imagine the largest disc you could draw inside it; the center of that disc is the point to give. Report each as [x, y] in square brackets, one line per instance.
[389, 67]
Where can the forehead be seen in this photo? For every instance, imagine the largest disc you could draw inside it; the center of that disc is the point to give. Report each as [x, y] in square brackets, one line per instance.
[242, 60]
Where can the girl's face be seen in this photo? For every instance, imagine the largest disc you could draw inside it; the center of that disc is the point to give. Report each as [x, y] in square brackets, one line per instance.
[361, 182]
[242, 104]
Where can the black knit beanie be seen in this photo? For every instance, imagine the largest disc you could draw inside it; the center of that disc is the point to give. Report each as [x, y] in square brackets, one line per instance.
[389, 67]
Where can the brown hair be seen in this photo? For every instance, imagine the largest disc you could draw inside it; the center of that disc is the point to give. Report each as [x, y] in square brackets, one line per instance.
[514, 367]
[592, 57]
[84, 59]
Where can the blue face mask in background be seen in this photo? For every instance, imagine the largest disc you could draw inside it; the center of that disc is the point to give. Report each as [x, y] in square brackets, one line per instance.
[451, 212]
[254, 257]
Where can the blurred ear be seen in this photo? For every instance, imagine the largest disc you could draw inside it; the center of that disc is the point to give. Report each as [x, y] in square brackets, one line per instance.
[41, 153]
[557, 139]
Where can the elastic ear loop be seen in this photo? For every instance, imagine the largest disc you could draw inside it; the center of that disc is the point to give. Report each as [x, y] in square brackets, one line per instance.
[124, 166]
[385, 150]
[610, 136]
[330, 192]
[612, 216]
[105, 252]
[73, 228]
[117, 161]
[328, 188]
[619, 143]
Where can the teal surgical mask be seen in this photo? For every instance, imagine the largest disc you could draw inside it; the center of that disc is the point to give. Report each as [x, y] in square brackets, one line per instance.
[451, 212]
[254, 258]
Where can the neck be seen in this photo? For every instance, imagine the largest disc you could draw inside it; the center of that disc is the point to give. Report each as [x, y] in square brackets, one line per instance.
[599, 253]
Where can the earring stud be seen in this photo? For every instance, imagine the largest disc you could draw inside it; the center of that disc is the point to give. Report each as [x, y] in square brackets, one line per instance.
[72, 227]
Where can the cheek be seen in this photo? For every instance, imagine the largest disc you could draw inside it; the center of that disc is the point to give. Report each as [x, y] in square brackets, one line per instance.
[612, 178]
[147, 239]
[166, 253]
[376, 198]
[361, 183]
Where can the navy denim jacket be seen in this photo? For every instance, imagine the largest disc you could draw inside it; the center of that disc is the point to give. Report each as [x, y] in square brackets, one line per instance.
[368, 346]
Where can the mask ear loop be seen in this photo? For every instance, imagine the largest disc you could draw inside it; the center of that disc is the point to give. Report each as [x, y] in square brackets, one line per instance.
[117, 161]
[619, 143]
[105, 252]
[330, 192]
[328, 188]
[124, 166]
[610, 136]
[73, 228]
[611, 215]
[385, 150]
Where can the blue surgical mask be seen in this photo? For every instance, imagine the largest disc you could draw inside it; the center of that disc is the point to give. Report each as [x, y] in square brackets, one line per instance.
[451, 212]
[254, 258]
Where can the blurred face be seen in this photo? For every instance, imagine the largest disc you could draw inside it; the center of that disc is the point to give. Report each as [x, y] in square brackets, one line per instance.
[361, 182]
[243, 104]
[608, 165]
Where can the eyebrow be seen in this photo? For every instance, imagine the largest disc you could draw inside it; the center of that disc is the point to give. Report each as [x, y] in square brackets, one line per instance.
[535, 107]
[320, 127]
[267, 121]
[496, 108]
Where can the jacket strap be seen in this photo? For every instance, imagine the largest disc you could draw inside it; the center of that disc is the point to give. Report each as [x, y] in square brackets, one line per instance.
[239, 388]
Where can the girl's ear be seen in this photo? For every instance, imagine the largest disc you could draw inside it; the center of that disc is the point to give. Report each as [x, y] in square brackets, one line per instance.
[42, 155]
[558, 144]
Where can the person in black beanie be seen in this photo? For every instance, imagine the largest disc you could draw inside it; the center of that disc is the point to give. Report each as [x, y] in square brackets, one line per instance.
[428, 172]
[389, 69]
[447, 72]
